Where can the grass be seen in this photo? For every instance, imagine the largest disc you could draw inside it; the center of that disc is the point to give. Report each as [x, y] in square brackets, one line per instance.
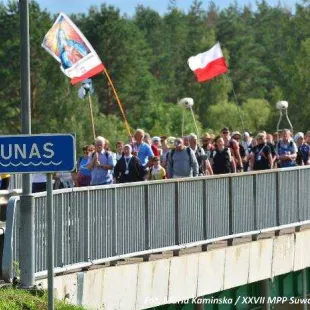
[17, 299]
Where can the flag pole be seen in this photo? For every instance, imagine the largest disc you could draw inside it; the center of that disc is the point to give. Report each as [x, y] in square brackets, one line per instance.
[240, 115]
[195, 122]
[118, 101]
[91, 115]
[236, 101]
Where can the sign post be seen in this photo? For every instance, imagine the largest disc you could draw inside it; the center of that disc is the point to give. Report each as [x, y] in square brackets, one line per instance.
[26, 232]
[45, 153]
[50, 241]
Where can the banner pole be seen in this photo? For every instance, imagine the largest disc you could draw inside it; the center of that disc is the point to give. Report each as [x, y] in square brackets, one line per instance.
[118, 101]
[193, 115]
[91, 115]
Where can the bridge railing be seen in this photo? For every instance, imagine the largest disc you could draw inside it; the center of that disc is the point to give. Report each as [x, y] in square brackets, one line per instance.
[15, 181]
[105, 223]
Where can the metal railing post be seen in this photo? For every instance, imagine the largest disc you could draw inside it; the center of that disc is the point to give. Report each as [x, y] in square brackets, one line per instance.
[255, 237]
[176, 218]
[86, 227]
[59, 231]
[204, 214]
[230, 212]
[114, 224]
[298, 228]
[278, 221]
[146, 219]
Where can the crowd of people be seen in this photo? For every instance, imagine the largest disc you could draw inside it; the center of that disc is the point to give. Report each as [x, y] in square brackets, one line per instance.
[157, 158]
[145, 158]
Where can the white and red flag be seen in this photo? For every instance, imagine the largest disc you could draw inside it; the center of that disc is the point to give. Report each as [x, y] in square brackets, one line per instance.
[209, 64]
[67, 44]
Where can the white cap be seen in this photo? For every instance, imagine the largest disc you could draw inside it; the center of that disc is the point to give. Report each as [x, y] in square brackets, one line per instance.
[299, 135]
[156, 139]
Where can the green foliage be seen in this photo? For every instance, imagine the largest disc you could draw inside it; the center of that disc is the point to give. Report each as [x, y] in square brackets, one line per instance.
[256, 113]
[166, 118]
[16, 299]
[225, 114]
[267, 50]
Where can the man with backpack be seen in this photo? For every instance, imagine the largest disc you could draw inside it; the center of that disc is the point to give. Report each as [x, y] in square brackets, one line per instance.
[261, 154]
[203, 163]
[286, 150]
[182, 161]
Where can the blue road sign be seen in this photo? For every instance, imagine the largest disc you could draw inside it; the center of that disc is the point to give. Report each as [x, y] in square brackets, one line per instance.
[37, 153]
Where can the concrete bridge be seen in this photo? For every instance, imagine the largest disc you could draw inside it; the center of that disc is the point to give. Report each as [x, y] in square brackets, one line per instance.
[151, 244]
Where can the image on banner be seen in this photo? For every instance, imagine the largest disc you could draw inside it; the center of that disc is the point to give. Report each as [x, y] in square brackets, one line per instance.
[67, 44]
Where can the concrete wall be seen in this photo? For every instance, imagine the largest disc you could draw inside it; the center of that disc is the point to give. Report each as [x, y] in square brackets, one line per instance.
[147, 284]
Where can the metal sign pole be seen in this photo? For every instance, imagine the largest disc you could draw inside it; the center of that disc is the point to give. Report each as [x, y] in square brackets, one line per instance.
[50, 240]
[26, 247]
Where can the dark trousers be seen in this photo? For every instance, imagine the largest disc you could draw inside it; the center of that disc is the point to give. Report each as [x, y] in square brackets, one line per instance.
[38, 187]
[5, 183]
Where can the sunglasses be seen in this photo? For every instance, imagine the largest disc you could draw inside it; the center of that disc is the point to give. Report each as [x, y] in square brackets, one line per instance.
[225, 132]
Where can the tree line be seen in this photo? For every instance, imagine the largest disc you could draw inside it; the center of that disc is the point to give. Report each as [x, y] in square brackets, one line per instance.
[267, 51]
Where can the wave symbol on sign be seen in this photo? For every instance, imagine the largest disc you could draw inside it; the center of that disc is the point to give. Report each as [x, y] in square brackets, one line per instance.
[33, 164]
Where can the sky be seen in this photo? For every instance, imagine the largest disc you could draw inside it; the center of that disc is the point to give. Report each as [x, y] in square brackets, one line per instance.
[128, 6]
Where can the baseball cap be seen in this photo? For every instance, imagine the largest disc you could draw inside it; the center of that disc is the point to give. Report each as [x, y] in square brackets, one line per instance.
[224, 129]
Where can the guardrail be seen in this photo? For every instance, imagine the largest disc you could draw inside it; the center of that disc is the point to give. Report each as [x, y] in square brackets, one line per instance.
[106, 223]
[4, 199]
[15, 181]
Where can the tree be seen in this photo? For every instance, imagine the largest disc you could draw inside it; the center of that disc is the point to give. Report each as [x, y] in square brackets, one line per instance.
[225, 114]
[256, 114]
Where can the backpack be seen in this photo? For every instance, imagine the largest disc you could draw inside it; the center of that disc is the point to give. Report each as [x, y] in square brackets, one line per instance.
[199, 160]
[241, 150]
[188, 152]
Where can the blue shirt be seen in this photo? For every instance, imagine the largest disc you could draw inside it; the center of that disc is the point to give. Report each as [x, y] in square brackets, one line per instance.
[99, 175]
[83, 167]
[286, 149]
[144, 152]
[305, 149]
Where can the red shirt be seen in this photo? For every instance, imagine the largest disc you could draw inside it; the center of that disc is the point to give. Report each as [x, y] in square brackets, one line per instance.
[155, 150]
